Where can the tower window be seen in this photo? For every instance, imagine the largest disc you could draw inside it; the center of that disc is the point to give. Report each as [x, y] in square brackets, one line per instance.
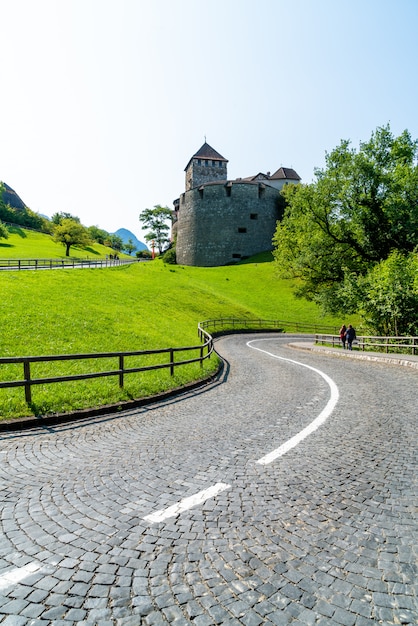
[253, 216]
[242, 230]
[236, 256]
[213, 163]
[199, 162]
[206, 162]
[201, 192]
[261, 190]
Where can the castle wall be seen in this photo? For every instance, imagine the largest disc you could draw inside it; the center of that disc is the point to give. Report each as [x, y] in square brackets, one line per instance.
[223, 223]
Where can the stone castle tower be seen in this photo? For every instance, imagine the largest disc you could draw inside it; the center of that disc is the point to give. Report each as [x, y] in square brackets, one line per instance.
[217, 221]
[206, 166]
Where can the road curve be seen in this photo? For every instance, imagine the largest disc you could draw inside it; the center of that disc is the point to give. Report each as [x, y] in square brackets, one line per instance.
[165, 514]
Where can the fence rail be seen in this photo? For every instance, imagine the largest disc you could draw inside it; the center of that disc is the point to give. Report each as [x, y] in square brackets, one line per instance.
[42, 264]
[230, 323]
[121, 369]
[374, 344]
[206, 330]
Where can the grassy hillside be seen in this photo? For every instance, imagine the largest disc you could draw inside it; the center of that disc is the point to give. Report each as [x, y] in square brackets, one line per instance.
[137, 307]
[29, 244]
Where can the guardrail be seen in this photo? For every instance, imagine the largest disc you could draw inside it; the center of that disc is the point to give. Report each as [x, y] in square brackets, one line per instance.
[121, 370]
[35, 264]
[374, 344]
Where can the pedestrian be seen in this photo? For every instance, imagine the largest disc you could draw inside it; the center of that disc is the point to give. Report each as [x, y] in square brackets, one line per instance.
[350, 335]
[342, 332]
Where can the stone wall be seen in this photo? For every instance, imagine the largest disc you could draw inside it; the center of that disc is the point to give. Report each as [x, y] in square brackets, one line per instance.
[202, 171]
[223, 223]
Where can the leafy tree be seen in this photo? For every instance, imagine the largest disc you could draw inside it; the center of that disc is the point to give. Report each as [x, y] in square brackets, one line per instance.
[387, 296]
[155, 220]
[62, 215]
[70, 233]
[115, 242]
[359, 209]
[129, 247]
[4, 233]
[97, 234]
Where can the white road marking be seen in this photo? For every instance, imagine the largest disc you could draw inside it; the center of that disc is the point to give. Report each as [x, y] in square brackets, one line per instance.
[186, 503]
[317, 422]
[13, 576]
[198, 498]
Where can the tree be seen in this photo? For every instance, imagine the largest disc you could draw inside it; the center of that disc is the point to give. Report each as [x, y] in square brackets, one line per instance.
[4, 233]
[155, 220]
[115, 242]
[62, 215]
[70, 233]
[129, 247]
[387, 296]
[97, 234]
[360, 208]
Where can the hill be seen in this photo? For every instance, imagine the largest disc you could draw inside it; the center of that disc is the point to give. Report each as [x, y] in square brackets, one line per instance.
[127, 235]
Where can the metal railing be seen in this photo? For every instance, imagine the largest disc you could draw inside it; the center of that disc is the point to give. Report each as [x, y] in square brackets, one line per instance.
[407, 345]
[120, 370]
[42, 264]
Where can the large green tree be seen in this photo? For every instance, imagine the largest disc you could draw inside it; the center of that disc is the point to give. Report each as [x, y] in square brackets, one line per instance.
[71, 233]
[362, 206]
[155, 221]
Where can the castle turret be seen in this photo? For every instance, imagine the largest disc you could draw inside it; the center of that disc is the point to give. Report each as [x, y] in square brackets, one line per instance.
[206, 166]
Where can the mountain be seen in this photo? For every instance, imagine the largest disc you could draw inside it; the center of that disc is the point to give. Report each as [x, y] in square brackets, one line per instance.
[126, 234]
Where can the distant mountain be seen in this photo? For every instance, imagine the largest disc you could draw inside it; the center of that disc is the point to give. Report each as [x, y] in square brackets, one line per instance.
[126, 234]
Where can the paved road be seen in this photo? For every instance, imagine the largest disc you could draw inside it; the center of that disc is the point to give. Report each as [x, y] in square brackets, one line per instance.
[173, 513]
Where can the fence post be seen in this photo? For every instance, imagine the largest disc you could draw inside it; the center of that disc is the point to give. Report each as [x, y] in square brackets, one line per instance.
[26, 374]
[201, 356]
[121, 371]
[171, 361]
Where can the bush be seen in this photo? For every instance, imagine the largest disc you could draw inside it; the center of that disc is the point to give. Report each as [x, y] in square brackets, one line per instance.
[170, 256]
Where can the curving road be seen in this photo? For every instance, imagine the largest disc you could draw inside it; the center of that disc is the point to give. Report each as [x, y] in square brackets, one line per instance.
[284, 493]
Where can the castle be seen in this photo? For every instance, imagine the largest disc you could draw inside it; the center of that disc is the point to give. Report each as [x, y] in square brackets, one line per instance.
[217, 221]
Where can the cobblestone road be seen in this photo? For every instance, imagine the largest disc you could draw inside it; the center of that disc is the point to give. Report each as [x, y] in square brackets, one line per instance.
[324, 534]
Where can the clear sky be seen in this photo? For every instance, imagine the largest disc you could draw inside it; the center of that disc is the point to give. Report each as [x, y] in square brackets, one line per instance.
[103, 102]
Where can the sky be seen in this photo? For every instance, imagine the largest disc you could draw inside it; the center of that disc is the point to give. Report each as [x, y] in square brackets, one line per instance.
[104, 102]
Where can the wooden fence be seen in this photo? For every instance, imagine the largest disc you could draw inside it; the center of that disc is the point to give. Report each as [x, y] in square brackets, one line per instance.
[121, 369]
[50, 264]
[199, 352]
[408, 345]
[228, 324]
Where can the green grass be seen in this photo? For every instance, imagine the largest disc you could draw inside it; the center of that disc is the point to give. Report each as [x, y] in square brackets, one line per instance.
[136, 307]
[29, 244]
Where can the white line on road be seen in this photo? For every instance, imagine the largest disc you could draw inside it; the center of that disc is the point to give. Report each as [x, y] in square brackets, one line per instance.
[317, 422]
[186, 503]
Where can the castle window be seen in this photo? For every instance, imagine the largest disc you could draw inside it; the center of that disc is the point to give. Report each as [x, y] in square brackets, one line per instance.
[228, 188]
[242, 230]
[261, 190]
[253, 216]
[213, 163]
[182, 198]
[201, 191]
[199, 162]
[220, 163]
[236, 256]
[206, 162]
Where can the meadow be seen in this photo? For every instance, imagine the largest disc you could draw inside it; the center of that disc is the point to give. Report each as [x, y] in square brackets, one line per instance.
[142, 306]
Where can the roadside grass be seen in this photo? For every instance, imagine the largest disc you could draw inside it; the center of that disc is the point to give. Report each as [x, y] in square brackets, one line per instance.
[143, 306]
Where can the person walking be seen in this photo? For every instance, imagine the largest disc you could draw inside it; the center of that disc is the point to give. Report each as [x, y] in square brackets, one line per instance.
[342, 332]
[350, 335]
